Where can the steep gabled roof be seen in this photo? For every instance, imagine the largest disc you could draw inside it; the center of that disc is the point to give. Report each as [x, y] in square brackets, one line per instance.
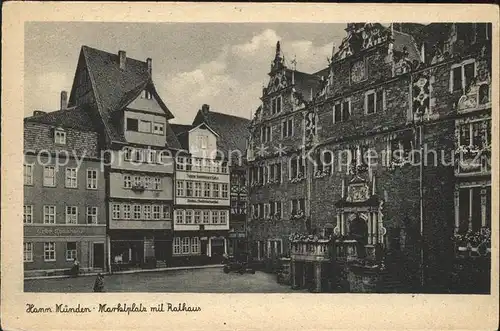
[304, 83]
[181, 131]
[233, 130]
[114, 88]
[73, 118]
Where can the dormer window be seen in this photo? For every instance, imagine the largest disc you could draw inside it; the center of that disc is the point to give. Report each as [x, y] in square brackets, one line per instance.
[158, 128]
[60, 137]
[147, 95]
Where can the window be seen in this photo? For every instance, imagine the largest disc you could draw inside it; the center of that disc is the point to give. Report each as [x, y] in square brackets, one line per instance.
[180, 163]
[342, 111]
[145, 126]
[197, 216]
[179, 216]
[177, 245]
[461, 75]
[28, 174]
[156, 212]
[297, 205]
[287, 128]
[180, 188]
[151, 156]
[265, 134]
[224, 191]
[49, 251]
[206, 216]
[137, 212]
[147, 212]
[71, 178]
[49, 176]
[27, 214]
[70, 251]
[127, 181]
[223, 217]
[115, 209]
[27, 252]
[127, 153]
[215, 217]
[137, 155]
[49, 214]
[276, 105]
[297, 167]
[189, 189]
[267, 211]
[147, 183]
[158, 128]
[224, 168]
[91, 215]
[202, 141]
[475, 134]
[132, 124]
[126, 212]
[195, 245]
[91, 179]
[71, 215]
[166, 212]
[60, 137]
[189, 216]
[185, 245]
[374, 101]
[215, 190]
[157, 183]
[206, 190]
[197, 189]
[137, 181]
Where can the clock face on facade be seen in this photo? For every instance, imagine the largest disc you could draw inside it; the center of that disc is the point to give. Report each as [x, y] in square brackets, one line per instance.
[358, 71]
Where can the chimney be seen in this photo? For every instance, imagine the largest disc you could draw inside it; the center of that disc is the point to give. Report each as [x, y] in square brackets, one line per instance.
[64, 100]
[149, 62]
[38, 113]
[205, 109]
[123, 58]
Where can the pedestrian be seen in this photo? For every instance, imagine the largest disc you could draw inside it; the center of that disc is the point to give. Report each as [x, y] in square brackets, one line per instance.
[99, 283]
[76, 267]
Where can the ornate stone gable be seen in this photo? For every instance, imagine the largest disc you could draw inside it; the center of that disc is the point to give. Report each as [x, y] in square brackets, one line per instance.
[361, 36]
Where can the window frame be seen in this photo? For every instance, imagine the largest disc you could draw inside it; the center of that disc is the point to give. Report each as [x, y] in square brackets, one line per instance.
[28, 174]
[47, 214]
[462, 70]
[90, 180]
[28, 251]
[49, 247]
[93, 212]
[71, 177]
[72, 216]
[115, 211]
[73, 252]
[25, 214]
[54, 177]
[59, 137]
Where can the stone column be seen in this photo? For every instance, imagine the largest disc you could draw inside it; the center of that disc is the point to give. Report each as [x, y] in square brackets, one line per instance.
[457, 208]
[370, 229]
[318, 276]
[483, 207]
[342, 227]
[470, 208]
[375, 228]
[293, 270]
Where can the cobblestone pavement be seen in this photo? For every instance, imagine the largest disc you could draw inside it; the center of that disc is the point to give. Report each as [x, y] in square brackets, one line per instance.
[210, 280]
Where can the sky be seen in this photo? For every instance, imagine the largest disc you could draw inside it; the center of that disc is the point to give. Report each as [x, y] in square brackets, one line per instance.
[223, 65]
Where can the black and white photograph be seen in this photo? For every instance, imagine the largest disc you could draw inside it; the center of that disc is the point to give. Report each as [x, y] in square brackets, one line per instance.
[351, 158]
[311, 159]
